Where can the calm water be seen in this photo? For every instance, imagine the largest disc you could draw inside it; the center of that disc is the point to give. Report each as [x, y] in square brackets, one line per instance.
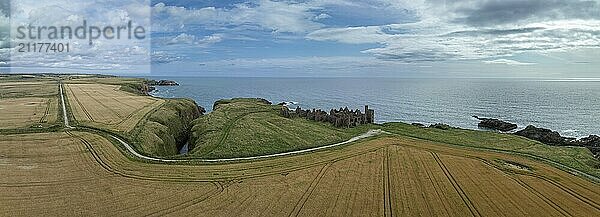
[570, 107]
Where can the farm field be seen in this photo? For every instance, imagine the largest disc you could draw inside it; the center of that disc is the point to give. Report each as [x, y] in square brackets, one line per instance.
[56, 176]
[27, 103]
[105, 106]
[19, 89]
[79, 173]
[29, 111]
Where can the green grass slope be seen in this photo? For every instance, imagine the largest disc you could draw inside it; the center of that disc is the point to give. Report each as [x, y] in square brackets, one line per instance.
[164, 130]
[575, 157]
[250, 127]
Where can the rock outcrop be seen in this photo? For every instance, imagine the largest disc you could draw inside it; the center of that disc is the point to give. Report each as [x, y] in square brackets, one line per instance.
[495, 124]
[201, 110]
[542, 135]
[162, 83]
[343, 117]
[418, 124]
[440, 126]
[592, 141]
[227, 101]
[550, 137]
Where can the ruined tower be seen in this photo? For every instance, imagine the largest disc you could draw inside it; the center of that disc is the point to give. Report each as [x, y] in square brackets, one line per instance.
[370, 114]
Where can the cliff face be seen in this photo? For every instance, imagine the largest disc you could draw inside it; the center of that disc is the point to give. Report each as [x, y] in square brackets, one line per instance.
[167, 129]
[140, 88]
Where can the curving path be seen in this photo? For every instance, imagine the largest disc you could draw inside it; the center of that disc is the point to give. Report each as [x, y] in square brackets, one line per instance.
[131, 150]
[371, 133]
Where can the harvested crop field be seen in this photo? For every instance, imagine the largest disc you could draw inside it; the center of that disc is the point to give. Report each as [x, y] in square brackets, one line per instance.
[54, 175]
[106, 106]
[30, 111]
[16, 89]
[80, 173]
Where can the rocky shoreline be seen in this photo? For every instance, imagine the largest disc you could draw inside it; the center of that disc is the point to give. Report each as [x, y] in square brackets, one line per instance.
[543, 135]
[162, 83]
[150, 85]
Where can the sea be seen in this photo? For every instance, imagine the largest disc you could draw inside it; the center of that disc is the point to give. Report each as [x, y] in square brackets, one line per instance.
[569, 106]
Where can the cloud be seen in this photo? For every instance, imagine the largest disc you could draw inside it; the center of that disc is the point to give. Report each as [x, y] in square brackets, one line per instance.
[495, 12]
[185, 38]
[293, 66]
[399, 30]
[322, 16]
[350, 35]
[275, 16]
[508, 62]
[468, 29]
[122, 55]
[163, 57]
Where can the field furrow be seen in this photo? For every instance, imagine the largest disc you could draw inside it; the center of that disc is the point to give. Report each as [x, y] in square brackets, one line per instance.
[105, 106]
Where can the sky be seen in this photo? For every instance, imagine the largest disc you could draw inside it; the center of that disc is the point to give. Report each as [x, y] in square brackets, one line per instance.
[345, 38]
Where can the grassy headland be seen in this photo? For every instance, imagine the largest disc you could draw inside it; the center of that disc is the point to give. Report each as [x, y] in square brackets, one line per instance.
[251, 127]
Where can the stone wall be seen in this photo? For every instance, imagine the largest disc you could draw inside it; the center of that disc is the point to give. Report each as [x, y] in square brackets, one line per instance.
[343, 117]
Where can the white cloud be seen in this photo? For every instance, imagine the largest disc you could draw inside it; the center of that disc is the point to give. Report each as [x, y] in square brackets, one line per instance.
[185, 38]
[350, 35]
[436, 40]
[322, 16]
[104, 54]
[508, 62]
[269, 15]
[293, 66]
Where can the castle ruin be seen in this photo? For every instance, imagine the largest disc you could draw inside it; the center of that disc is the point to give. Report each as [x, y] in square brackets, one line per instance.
[343, 117]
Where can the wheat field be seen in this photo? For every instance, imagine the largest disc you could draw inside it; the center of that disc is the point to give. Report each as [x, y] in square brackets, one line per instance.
[79, 173]
[105, 106]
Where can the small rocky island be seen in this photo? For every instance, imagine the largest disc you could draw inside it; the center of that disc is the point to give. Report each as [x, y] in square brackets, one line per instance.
[495, 124]
[343, 117]
[150, 85]
[162, 83]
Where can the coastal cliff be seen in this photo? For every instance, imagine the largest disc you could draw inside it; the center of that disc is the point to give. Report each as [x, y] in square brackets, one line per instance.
[167, 129]
[146, 86]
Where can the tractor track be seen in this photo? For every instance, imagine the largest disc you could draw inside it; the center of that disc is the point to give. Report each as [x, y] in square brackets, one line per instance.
[311, 188]
[456, 186]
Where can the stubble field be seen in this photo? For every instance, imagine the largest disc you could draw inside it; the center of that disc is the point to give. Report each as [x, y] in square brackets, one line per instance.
[84, 174]
[30, 111]
[105, 106]
[28, 103]
[34, 88]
